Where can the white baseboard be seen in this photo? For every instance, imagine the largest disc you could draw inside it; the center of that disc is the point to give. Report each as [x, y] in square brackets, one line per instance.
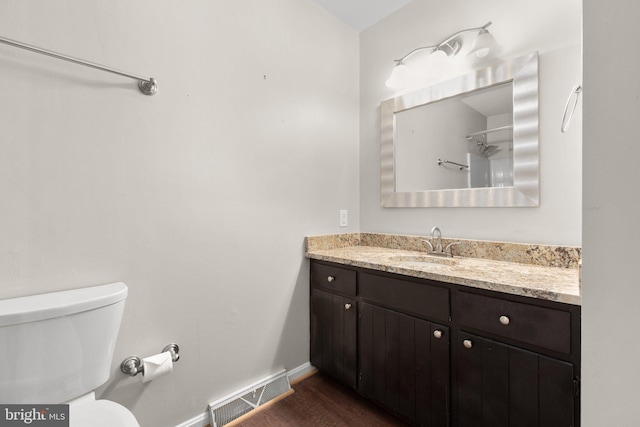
[202, 420]
[299, 371]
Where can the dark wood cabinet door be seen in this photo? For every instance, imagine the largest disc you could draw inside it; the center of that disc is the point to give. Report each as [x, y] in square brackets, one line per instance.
[404, 365]
[499, 385]
[333, 336]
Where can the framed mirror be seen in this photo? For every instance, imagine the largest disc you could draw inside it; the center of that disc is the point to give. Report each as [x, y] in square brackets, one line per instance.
[468, 142]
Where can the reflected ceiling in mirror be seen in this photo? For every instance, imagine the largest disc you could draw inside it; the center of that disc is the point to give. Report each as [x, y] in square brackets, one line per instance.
[468, 142]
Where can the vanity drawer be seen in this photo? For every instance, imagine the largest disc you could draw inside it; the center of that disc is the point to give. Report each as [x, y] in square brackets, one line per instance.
[421, 299]
[540, 326]
[333, 278]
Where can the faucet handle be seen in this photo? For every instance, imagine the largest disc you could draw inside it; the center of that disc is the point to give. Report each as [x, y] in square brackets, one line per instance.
[428, 243]
[448, 248]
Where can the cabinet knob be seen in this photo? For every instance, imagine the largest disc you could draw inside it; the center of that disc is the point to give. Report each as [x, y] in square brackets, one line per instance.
[504, 320]
[330, 279]
[467, 343]
[347, 306]
[437, 333]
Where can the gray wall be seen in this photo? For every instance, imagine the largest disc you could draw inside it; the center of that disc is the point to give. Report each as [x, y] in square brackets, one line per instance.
[520, 26]
[610, 338]
[199, 197]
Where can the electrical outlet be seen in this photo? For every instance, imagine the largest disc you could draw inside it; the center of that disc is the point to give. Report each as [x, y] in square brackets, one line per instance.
[344, 218]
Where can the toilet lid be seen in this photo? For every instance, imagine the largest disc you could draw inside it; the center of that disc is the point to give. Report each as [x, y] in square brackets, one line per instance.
[100, 413]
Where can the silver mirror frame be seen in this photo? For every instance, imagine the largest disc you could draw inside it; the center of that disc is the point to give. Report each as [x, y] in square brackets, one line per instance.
[523, 71]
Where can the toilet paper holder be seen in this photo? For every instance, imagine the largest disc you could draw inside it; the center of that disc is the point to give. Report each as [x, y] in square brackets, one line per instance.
[132, 365]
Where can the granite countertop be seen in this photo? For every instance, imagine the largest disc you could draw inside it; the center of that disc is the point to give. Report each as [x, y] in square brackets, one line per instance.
[537, 281]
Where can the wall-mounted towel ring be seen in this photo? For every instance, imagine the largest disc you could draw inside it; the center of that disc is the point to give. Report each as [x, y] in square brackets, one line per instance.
[566, 121]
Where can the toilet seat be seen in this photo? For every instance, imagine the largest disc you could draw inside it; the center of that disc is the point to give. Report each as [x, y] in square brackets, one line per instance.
[100, 413]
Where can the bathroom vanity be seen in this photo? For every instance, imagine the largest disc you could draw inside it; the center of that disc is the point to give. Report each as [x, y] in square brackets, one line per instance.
[422, 337]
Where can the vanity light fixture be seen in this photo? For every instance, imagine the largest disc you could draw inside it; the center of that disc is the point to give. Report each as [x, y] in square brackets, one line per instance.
[439, 54]
[483, 43]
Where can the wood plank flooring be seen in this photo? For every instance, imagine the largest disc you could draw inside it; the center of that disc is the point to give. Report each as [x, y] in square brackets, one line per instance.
[318, 402]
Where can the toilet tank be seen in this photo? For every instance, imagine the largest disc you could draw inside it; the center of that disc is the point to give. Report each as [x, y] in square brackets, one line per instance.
[58, 346]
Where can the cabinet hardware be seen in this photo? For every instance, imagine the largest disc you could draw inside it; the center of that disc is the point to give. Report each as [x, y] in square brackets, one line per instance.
[467, 343]
[347, 306]
[504, 320]
[330, 279]
[437, 333]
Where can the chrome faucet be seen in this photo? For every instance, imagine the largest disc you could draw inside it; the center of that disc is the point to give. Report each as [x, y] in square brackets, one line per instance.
[435, 244]
[437, 234]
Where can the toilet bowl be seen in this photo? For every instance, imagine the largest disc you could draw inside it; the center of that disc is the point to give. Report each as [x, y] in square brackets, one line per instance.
[58, 348]
[87, 411]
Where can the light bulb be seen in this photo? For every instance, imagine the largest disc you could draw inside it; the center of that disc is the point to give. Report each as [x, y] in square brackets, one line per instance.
[437, 59]
[400, 77]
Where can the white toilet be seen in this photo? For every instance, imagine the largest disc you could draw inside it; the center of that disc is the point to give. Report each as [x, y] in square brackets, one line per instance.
[58, 348]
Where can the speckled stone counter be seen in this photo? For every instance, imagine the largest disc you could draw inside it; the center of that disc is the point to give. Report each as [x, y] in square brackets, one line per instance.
[551, 272]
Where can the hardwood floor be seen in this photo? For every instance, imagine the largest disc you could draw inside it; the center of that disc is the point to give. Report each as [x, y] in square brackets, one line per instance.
[319, 401]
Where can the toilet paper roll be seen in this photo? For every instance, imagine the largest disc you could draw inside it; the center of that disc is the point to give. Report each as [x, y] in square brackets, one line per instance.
[156, 366]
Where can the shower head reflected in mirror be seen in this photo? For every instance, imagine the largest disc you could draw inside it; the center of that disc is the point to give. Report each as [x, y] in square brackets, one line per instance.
[485, 149]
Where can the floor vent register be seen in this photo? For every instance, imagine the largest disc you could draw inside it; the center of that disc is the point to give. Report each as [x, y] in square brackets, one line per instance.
[231, 408]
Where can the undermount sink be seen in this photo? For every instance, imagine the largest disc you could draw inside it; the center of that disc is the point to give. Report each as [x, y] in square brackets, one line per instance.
[424, 260]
